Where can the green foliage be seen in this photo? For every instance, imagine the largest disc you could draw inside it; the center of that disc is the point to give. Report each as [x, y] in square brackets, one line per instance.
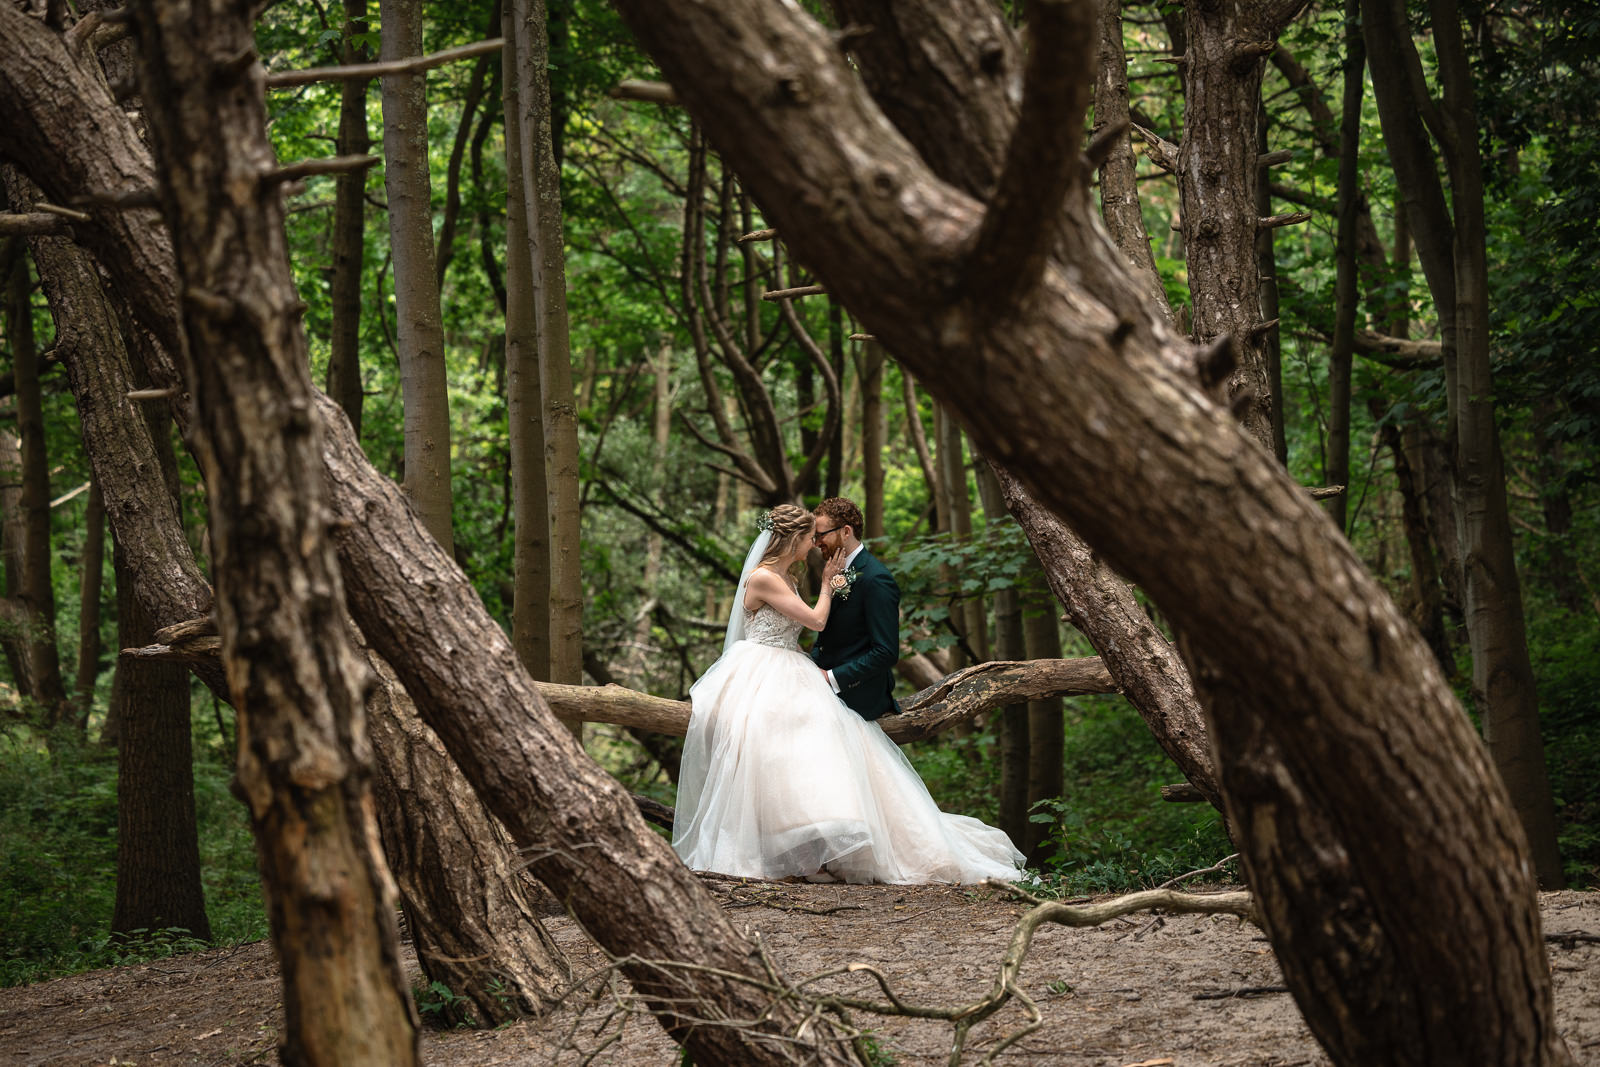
[937, 572]
[438, 1004]
[58, 826]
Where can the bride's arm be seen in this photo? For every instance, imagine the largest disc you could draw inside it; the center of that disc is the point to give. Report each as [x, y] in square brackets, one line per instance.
[765, 587]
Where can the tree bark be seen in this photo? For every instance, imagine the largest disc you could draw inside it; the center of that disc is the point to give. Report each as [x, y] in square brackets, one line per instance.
[874, 430]
[1225, 50]
[531, 616]
[1119, 190]
[1371, 799]
[1008, 645]
[470, 915]
[540, 187]
[89, 614]
[349, 227]
[1267, 271]
[1046, 729]
[1345, 297]
[539, 785]
[424, 383]
[158, 844]
[969, 613]
[1502, 673]
[298, 684]
[40, 679]
[1452, 250]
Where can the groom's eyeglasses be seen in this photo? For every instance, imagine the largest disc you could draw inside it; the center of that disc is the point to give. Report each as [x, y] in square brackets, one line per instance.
[825, 533]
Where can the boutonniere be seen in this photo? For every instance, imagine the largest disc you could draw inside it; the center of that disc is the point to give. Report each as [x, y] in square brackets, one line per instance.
[841, 583]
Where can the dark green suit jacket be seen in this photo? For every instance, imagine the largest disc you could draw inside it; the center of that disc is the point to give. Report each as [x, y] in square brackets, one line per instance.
[861, 642]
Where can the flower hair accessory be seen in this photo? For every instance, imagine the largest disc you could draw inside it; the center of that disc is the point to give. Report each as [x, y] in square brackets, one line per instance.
[764, 521]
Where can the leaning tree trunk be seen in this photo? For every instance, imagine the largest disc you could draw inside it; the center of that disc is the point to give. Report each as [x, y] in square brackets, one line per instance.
[419, 334]
[469, 913]
[590, 846]
[962, 132]
[1354, 781]
[297, 682]
[349, 227]
[159, 571]
[873, 432]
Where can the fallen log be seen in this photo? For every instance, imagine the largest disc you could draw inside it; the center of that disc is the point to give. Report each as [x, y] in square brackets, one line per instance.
[954, 699]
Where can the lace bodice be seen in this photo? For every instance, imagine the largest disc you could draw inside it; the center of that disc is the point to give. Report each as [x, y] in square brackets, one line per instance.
[768, 626]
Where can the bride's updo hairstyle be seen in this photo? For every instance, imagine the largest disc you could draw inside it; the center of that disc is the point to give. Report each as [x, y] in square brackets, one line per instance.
[788, 523]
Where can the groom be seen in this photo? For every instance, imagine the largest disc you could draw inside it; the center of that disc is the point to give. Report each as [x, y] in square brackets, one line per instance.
[858, 648]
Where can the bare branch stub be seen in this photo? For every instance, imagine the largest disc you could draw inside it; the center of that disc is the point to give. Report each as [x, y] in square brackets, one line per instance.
[306, 168]
[288, 79]
[795, 293]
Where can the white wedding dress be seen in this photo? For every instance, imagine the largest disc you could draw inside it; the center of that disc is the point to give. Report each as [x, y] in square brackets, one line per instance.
[780, 778]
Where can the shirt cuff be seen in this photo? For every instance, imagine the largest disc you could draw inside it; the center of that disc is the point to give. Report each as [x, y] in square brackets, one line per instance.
[832, 681]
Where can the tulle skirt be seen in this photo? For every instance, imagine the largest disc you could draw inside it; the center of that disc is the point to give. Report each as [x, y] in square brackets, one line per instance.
[780, 778]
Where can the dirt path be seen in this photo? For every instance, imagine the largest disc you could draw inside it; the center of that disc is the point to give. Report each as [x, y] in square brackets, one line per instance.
[1122, 994]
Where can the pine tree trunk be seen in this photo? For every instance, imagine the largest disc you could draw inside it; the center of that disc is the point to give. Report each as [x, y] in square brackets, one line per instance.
[349, 228]
[420, 333]
[1224, 52]
[1457, 273]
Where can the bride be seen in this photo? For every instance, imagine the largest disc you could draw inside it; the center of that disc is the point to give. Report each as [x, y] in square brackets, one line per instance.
[779, 778]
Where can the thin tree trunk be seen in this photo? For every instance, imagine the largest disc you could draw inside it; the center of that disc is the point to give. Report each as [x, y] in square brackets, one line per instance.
[424, 383]
[458, 148]
[89, 590]
[919, 444]
[953, 469]
[835, 477]
[297, 682]
[1427, 592]
[41, 677]
[1267, 271]
[1009, 644]
[1451, 247]
[1119, 190]
[1346, 297]
[1502, 673]
[540, 184]
[873, 437]
[349, 228]
[1046, 725]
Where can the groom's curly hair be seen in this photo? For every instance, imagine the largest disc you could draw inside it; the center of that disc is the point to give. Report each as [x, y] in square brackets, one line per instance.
[843, 513]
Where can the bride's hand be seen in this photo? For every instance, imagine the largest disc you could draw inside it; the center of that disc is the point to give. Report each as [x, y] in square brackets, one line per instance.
[834, 566]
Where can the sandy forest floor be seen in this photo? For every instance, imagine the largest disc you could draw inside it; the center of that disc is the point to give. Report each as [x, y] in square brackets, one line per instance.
[1127, 993]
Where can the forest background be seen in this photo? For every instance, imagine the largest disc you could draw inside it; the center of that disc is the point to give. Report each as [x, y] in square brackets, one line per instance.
[679, 449]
